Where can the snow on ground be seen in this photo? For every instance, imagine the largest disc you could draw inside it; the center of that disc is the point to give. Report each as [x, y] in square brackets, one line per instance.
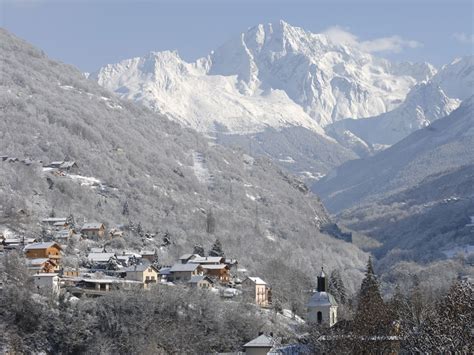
[270, 236]
[467, 250]
[312, 176]
[289, 314]
[251, 197]
[200, 170]
[288, 160]
[85, 180]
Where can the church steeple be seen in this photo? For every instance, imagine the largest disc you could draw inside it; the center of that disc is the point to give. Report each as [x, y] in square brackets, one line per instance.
[322, 282]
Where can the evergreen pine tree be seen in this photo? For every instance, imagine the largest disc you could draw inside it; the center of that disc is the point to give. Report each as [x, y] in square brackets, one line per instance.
[125, 210]
[210, 222]
[71, 222]
[336, 287]
[216, 249]
[139, 229]
[198, 249]
[371, 318]
[52, 214]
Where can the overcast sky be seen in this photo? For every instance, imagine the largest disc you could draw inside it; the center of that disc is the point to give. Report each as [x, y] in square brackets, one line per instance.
[89, 34]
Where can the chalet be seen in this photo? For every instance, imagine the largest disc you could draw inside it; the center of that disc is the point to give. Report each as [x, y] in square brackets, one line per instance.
[42, 265]
[50, 250]
[48, 282]
[257, 290]
[93, 230]
[184, 272]
[146, 274]
[219, 271]
[262, 345]
[201, 281]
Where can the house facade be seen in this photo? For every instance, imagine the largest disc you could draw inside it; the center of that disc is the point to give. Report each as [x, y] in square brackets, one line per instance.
[48, 282]
[184, 272]
[146, 274]
[258, 291]
[201, 281]
[49, 250]
[220, 272]
[93, 230]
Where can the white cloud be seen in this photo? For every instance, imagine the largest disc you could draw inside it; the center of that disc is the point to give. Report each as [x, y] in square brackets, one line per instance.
[464, 38]
[393, 44]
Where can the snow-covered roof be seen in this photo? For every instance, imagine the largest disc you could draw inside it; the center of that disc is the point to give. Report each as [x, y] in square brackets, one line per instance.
[184, 267]
[92, 226]
[110, 281]
[100, 257]
[37, 261]
[257, 280]
[262, 341]
[188, 256]
[321, 299]
[98, 250]
[198, 278]
[206, 260]
[139, 268]
[45, 245]
[53, 219]
[214, 267]
[45, 274]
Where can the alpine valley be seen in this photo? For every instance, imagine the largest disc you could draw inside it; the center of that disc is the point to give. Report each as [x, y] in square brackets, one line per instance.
[364, 132]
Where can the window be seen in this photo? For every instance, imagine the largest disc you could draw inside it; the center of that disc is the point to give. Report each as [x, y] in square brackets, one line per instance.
[320, 317]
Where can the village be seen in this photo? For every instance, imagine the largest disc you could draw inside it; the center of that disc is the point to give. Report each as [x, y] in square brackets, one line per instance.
[105, 270]
[103, 267]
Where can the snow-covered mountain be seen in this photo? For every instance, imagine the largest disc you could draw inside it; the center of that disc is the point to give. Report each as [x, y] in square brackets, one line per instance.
[425, 103]
[273, 75]
[457, 78]
[207, 103]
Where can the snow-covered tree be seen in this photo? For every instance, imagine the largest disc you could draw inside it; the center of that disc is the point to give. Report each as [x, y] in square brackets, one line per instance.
[210, 222]
[216, 249]
[198, 249]
[125, 210]
[336, 287]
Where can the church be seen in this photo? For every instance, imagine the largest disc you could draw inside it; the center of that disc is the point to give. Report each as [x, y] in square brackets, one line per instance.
[322, 307]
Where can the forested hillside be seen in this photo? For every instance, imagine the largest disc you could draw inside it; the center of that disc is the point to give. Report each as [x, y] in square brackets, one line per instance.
[173, 180]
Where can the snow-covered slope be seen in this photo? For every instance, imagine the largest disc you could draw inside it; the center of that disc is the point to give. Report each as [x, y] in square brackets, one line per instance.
[184, 91]
[273, 75]
[446, 144]
[425, 103]
[457, 78]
